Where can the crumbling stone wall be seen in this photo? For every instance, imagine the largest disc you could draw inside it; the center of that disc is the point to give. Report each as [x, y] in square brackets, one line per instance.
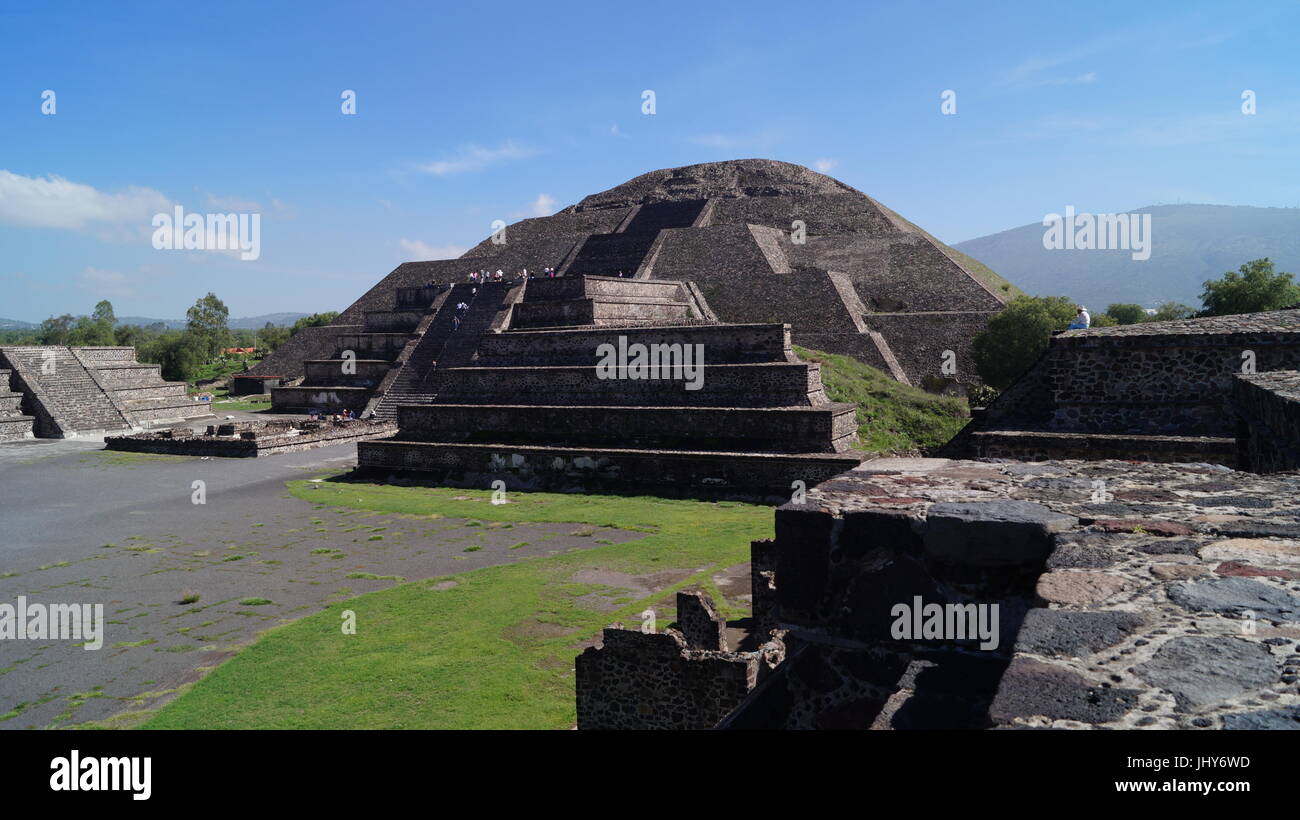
[656, 681]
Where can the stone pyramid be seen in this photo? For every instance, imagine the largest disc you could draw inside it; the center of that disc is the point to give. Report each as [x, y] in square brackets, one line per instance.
[763, 241]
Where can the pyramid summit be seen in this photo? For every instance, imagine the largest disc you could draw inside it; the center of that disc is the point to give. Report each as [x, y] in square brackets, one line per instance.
[761, 240]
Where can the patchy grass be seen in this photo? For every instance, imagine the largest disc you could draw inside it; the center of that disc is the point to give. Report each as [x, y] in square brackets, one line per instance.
[495, 648]
[892, 417]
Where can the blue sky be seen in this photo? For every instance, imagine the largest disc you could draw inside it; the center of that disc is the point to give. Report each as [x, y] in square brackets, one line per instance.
[468, 113]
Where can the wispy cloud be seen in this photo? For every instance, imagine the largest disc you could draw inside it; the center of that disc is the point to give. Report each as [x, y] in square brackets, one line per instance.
[825, 165]
[476, 158]
[544, 205]
[56, 202]
[423, 252]
[106, 283]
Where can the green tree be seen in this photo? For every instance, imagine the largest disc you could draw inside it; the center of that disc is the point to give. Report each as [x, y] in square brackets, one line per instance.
[271, 336]
[1127, 314]
[180, 354]
[314, 320]
[1170, 311]
[206, 323]
[1252, 288]
[54, 331]
[104, 312]
[1016, 337]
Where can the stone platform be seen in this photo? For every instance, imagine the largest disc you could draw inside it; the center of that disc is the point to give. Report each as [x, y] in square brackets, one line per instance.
[70, 391]
[250, 439]
[728, 412]
[1128, 595]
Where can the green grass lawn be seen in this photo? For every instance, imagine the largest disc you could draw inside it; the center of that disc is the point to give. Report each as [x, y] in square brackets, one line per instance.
[892, 417]
[494, 650]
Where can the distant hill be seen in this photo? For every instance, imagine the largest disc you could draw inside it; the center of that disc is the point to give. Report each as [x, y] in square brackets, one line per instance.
[244, 323]
[1190, 244]
[15, 324]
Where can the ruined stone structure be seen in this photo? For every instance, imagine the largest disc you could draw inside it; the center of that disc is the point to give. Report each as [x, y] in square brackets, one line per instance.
[682, 678]
[251, 439]
[517, 393]
[14, 425]
[1127, 595]
[1268, 427]
[764, 242]
[1159, 391]
[76, 390]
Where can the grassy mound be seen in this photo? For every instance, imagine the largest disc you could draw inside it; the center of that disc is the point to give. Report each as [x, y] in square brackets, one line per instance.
[892, 417]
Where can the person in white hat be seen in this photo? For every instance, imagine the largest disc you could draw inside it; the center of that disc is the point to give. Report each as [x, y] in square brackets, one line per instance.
[1082, 320]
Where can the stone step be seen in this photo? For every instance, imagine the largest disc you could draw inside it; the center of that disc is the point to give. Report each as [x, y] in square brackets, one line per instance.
[709, 474]
[656, 216]
[568, 288]
[366, 372]
[327, 398]
[16, 428]
[770, 384]
[392, 321]
[373, 345]
[1038, 445]
[607, 254]
[171, 390]
[604, 310]
[128, 375]
[729, 344]
[779, 429]
[11, 404]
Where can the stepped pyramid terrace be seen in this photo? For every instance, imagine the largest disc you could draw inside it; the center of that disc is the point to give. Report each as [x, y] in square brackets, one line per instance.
[731, 411]
[61, 392]
[762, 241]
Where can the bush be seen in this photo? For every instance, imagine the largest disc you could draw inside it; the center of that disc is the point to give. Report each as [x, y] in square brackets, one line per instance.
[1016, 337]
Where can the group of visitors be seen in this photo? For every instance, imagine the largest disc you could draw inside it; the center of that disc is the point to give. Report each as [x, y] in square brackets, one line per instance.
[485, 276]
[461, 309]
[346, 414]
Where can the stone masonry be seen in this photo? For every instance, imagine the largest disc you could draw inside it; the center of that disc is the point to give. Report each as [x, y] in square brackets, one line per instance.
[1159, 391]
[77, 390]
[525, 400]
[762, 241]
[1128, 595]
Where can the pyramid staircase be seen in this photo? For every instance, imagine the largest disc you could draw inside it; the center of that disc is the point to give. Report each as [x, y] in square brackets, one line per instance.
[367, 363]
[528, 404]
[78, 390]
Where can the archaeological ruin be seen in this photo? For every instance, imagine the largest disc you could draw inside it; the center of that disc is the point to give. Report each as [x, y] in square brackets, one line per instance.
[1088, 557]
[762, 241]
[62, 392]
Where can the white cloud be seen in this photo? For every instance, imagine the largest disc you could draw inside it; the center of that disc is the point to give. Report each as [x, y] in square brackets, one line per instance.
[422, 252]
[476, 158]
[106, 283]
[56, 202]
[544, 205]
[825, 165]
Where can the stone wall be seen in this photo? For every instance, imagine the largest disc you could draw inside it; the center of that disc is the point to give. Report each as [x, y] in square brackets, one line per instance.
[1268, 407]
[1157, 379]
[1127, 596]
[683, 678]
